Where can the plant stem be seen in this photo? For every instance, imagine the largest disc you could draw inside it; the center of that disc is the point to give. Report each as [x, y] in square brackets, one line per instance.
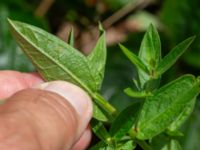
[113, 112]
[107, 107]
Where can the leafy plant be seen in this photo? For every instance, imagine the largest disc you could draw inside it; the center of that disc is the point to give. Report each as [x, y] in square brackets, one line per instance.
[161, 110]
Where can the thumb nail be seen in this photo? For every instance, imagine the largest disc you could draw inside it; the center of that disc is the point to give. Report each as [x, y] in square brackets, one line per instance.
[73, 94]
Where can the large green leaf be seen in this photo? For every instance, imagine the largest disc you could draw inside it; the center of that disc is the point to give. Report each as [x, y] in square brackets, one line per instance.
[166, 105]
[57, 60]
[173, 55]
[150, 54]
[124, 122]
[53, 58]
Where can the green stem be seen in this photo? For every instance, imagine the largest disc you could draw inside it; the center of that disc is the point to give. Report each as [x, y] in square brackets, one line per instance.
[105, 105]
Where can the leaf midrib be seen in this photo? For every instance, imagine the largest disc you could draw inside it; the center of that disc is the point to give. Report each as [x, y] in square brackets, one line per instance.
[54, 61]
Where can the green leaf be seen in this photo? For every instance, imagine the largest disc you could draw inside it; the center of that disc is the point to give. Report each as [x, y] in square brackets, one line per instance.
[139, 94]
[98, 60]
[71, 38]
[99, 130]
[166, 105]
[57, 60]
[126, 145]
[124, 121]
[172, 145]
[182, 117]
[53, 58]
[149, 54]
[98, 113]
[173, 55]
[174, 133]
[101, 146]
[134, 59]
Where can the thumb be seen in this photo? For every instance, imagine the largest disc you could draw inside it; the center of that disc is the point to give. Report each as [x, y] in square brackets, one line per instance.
[52, 116]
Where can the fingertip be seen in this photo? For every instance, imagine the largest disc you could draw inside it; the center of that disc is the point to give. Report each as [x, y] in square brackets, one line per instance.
[84, 140]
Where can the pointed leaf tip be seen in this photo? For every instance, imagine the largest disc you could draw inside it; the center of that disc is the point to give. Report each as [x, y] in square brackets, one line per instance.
[134, 59]
[101, 27]
[174, 55]
[71, 37]
[149, 53]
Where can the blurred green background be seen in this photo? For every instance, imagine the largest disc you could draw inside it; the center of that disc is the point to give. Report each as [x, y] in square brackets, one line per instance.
[125, 22]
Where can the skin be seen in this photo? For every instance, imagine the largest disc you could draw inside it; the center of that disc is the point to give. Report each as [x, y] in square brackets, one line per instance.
[40, 119]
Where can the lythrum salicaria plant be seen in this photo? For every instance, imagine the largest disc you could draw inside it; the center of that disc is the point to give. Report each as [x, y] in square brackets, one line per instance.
[161, 110]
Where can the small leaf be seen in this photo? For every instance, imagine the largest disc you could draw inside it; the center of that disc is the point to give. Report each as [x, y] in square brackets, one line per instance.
[172, 145]
[149, 54]
[174, 133]
[166, 105]
[97, 60]
[134, 59]
[99, 130]
[139, 94]
[71, 38]
[173, 55]
[101, 146]
[126, 145]
[124, 121]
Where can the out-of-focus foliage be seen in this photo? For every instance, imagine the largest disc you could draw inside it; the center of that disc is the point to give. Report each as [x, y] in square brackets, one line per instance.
[11, 56]
[116, 4]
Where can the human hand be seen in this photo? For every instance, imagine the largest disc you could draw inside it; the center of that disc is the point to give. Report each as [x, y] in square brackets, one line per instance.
[50, 116]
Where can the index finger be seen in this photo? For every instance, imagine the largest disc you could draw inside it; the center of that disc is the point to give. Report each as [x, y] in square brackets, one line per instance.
[13, 81]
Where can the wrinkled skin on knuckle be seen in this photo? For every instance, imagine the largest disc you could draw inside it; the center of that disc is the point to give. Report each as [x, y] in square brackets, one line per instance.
[50, 119]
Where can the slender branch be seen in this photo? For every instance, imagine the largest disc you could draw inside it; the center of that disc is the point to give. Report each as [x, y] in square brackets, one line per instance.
[125, 10]
[43, 7]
